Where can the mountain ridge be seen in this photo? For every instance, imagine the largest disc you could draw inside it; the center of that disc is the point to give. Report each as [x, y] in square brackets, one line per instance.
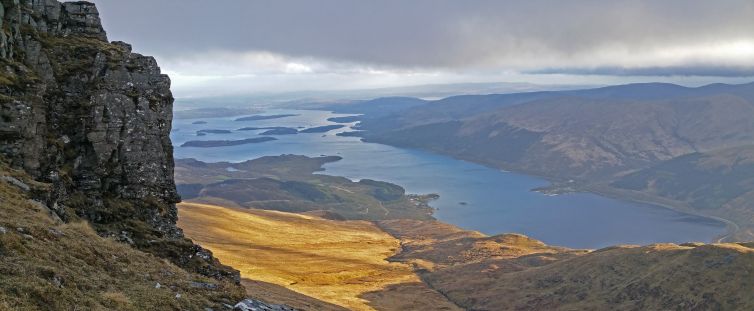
[581, 139]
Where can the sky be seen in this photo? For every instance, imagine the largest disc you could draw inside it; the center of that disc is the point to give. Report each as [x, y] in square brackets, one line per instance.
[237, 47]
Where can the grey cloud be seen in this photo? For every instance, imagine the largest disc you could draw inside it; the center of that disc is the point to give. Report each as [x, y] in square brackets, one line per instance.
[709, 71]
[425, 33]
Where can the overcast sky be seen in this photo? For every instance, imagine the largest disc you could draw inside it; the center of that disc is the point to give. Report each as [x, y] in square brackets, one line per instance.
[241, 46]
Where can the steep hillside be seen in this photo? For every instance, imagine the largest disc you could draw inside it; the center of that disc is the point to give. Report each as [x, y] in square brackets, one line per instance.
[47, 264]
[590, 139]
[338, 262]
[584, 138]
[719, 183]
[513, 272]
[655, 277]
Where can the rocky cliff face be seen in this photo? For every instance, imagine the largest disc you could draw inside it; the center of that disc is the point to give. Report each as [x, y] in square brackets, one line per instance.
[93, 119]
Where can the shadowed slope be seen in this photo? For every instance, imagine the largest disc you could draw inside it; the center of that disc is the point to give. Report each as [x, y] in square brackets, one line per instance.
[514, 272]
[48, 265]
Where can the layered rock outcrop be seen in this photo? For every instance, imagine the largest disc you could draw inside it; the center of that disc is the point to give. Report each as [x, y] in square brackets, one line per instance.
[93, 119]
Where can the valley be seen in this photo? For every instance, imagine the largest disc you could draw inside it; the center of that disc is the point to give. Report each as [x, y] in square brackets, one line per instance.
[318, 256]
[407, 264]
[603, 140]
[315, 157]
[495, 201]
[459, 268]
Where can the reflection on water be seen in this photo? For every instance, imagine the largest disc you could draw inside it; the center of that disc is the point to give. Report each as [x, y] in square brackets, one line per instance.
[471, 196]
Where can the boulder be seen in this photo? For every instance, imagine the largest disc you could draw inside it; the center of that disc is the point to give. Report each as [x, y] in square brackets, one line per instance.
[256, 305]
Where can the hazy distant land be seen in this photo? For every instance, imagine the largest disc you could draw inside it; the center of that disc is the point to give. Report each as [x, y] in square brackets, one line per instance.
[211, 112]
[225, 143]
[265, 117]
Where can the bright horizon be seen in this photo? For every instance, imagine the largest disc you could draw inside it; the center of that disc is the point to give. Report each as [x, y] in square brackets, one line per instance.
[250, 48]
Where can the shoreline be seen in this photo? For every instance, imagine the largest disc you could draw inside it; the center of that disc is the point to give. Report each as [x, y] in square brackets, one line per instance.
[596, 189]
[727, 227]
[631, 196]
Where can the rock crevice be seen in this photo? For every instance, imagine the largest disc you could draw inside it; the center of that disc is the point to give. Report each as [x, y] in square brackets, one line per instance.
[92, 119]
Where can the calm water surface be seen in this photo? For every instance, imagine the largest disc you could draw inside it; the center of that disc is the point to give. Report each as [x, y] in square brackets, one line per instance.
[493, 201]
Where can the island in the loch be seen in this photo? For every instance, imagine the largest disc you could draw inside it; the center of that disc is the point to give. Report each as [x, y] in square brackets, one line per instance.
[558, 188]
[322, 129]
[346, 119]
[213, 131]
[253, 128]
[225, 143]
[211, 112]
[280, 131]
[350, 134]
[288, 183]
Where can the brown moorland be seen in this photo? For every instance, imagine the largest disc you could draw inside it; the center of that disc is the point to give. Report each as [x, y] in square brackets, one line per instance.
[338, 262]
[514, 272]
[46, 264]
[425, 265]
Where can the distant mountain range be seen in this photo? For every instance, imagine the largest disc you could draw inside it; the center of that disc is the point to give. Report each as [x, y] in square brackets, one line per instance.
[232, 105]
[599, 138]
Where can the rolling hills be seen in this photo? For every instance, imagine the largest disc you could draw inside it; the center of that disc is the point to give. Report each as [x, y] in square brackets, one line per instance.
[287, 183]
[407, 264]
[579, 134]
[597, 138]
[514, 272]
[719, 183]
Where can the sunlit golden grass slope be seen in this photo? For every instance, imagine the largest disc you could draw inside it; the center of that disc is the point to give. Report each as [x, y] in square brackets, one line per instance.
[340, 262]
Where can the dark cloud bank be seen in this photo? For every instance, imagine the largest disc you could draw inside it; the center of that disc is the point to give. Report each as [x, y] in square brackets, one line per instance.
[580, 37]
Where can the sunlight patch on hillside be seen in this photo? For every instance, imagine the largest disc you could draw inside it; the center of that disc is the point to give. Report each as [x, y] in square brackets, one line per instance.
[334, 261]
